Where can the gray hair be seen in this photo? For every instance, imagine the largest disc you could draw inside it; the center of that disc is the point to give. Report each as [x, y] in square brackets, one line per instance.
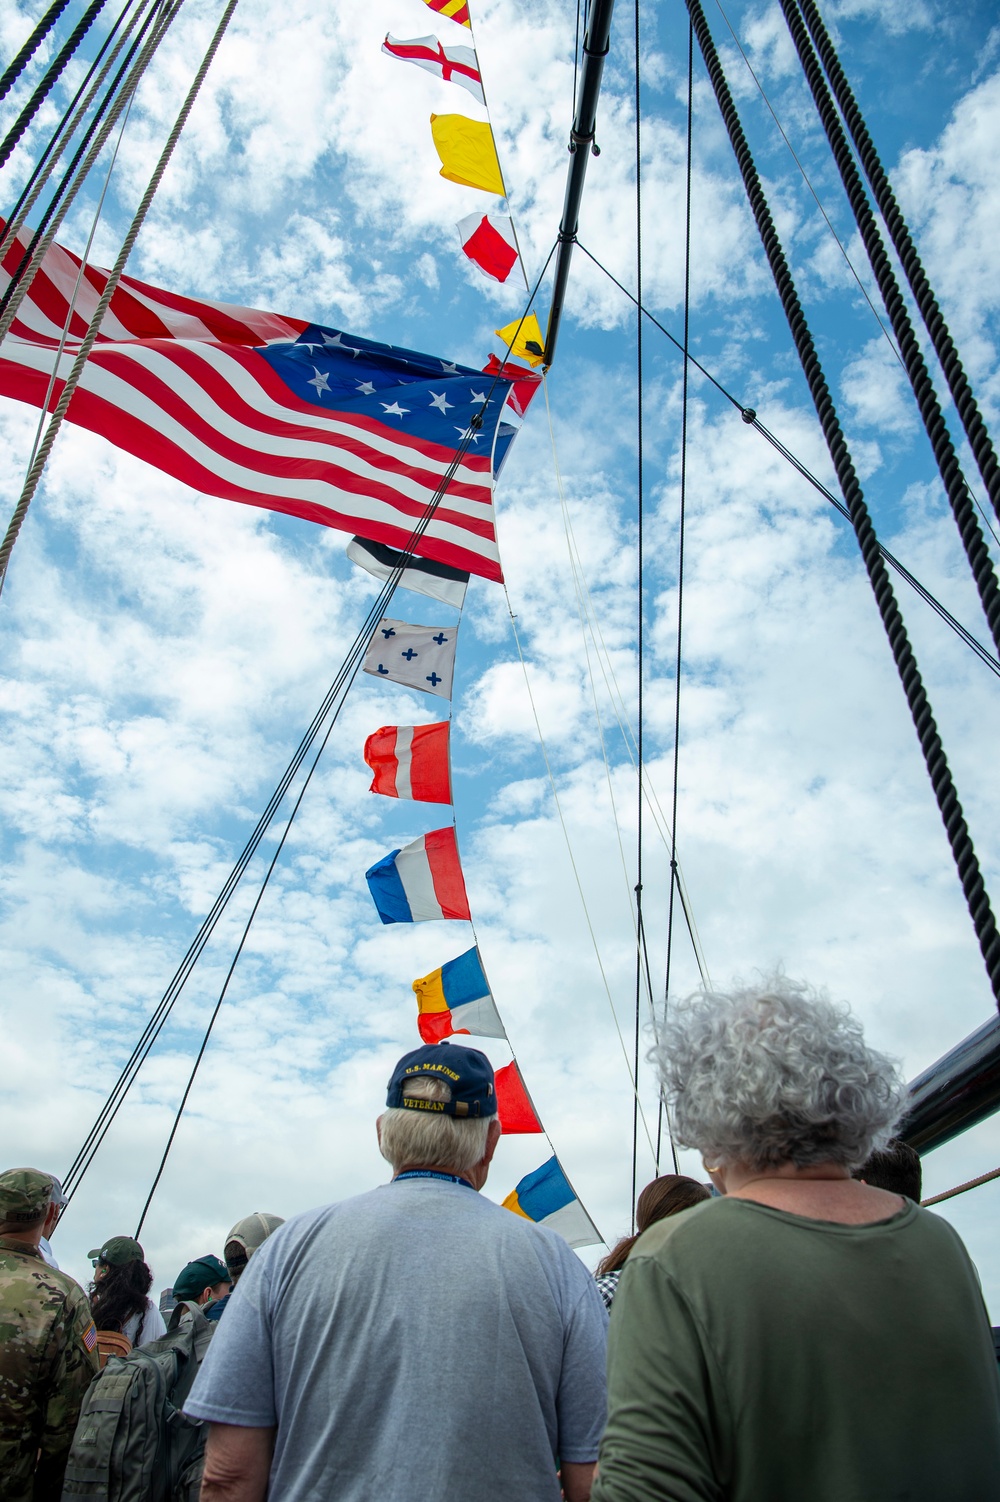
[432, 1139]
[775, 1073]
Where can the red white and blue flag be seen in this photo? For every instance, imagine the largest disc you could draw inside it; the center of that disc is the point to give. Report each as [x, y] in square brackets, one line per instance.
[422, 881]
[453, 64]
[272, 411]
[411, 761]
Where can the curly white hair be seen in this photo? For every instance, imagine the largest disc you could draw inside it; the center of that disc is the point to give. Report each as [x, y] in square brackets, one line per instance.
[775, 1073]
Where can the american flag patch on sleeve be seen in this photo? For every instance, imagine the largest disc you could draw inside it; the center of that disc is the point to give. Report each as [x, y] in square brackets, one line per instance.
[90, 1336]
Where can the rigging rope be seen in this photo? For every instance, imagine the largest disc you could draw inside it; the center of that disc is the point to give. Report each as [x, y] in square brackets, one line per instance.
[13, 72]
[49, 79]
[958, 383]
[930, 742]
[639, 614]
[23, 277]
[751, 419]
[984, 1178]
[338, 690]
[916, 369]
[73, 379]
[69, 123]
[679, 660]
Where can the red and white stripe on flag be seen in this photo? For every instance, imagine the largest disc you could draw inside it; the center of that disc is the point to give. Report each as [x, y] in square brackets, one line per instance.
[411, 761]
[453, 64]
[178, 382]
[488, 240]
[431, 875]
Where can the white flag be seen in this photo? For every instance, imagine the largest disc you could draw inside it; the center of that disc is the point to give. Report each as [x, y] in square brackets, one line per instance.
[418, 656]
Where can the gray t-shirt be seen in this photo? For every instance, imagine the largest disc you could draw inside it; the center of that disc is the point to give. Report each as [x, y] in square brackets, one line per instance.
[416, 1339]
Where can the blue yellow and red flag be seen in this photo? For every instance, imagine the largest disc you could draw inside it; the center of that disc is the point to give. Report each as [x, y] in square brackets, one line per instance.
[455, 998]
[547, 1197]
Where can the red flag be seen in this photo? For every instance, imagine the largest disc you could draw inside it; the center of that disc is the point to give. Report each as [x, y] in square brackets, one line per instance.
[488, 239]
[525, 383]
[410, 761]
[514, 1107]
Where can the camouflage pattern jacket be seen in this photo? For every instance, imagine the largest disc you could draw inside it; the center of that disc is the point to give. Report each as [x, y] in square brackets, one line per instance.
[48, 1355]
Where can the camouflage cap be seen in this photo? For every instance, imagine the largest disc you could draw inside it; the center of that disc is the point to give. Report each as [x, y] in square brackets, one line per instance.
[117, 1251]
[25, 1195]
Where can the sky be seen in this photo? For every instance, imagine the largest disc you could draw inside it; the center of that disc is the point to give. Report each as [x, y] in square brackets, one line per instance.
[161, 652]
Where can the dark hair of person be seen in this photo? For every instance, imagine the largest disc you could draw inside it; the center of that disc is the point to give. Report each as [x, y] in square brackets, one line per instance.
[236, 1259]
[119, 1295]
[668, 1195]
[896, 1168]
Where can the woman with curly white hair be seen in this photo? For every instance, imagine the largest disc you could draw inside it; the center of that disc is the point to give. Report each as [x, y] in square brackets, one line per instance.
[804, 1338]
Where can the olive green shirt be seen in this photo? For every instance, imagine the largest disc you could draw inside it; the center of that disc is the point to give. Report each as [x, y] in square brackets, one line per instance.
[757, 1356]
[48, 1356]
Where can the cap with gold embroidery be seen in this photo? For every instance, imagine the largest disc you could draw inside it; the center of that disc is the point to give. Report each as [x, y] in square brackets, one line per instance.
[467, 1072]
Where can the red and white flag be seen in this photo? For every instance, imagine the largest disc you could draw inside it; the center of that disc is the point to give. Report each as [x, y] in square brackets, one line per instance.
[453, 64]
[421, 882]
[488, 239]
[411, 761]
[270, 411]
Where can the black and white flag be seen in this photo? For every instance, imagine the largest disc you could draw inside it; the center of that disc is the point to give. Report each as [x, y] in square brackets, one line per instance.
[418, 656]
[423, 575]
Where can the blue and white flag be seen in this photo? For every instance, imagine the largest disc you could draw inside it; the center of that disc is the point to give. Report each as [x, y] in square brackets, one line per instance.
[418, 656]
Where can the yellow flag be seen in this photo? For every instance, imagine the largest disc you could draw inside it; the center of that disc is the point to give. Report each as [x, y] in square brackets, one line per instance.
[519, 334]
[456, 9]
[468, 155]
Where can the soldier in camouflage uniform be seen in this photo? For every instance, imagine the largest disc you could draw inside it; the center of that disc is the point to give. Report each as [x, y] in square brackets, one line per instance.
[48, 1345]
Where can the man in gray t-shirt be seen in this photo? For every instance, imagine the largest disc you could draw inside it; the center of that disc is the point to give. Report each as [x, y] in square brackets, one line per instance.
[418, 1338]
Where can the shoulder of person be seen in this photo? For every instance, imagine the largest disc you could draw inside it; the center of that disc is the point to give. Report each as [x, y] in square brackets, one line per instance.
[32, 1280]
[686, 1225]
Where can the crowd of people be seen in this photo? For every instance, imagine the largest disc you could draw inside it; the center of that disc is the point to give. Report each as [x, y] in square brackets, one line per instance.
[796, 1327]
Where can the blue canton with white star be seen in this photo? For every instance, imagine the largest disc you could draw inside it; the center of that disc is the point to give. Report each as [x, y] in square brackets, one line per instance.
[417, 394]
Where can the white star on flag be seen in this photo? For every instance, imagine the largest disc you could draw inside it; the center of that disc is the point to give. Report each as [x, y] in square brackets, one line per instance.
[393, 409]
[417, 656]
[468, 433]
[447, 369]
[440, 400]
[366, 388]
[321, 381]
[477, 396]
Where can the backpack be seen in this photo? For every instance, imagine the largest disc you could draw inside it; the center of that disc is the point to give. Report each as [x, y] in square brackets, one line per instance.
[132, 1442]
[111, 1343]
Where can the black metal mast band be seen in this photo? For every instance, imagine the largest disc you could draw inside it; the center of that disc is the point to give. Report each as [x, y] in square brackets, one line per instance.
[923, 719]
[581, 143]
[916, 369]
[944, 347]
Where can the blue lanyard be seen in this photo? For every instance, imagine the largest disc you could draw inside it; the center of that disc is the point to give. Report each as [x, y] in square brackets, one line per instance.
[432, 1173]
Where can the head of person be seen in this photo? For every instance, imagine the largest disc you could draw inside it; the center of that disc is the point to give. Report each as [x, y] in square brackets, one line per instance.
[441, 1113]
[202, 1281]
[895, 1167]
[30, 1202]
[121, 1282]
[246, 1237]
[667, 1195]
[774, 1076]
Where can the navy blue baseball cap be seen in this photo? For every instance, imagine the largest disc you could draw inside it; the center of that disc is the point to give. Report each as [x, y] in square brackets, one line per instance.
[468, 1072]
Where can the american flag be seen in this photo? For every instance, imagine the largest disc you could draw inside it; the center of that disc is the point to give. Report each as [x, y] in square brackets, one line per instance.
[272, 411]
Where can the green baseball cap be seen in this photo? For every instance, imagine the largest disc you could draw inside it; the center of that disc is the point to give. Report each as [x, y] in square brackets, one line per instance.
[25, 1194]
[204, 1272]
[118, 1251]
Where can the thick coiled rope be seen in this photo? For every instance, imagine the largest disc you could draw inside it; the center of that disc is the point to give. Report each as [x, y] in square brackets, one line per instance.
[916, 369]
[958, 382]
[48, 81]
[12, 73]
[923, 719]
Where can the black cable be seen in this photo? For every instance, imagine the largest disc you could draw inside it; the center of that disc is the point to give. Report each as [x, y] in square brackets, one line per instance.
[640, 620]
[679, 661]
[13, 72]
[751, 419]
[345, 676]
[160, 7]
[957, 830]
[944, 347]
[49, 79]
[67, 114]
[916, 369]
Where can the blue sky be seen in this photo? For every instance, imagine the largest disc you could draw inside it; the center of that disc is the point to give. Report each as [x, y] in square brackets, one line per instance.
[161, 652]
